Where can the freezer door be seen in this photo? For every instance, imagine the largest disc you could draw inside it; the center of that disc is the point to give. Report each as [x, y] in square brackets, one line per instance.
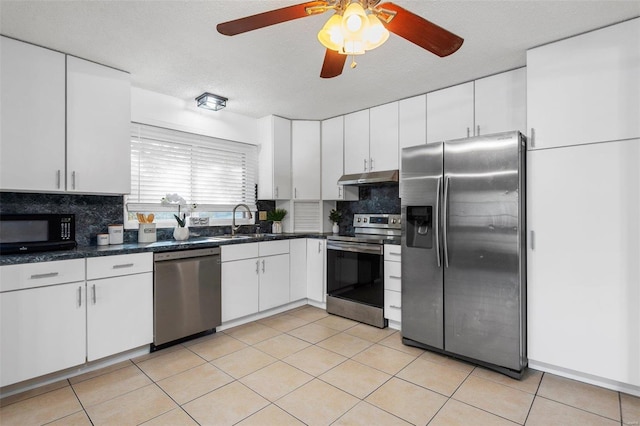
[422, 301]
[483, 292]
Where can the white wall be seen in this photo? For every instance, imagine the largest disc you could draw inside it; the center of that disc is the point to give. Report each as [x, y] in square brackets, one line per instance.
[166, 111]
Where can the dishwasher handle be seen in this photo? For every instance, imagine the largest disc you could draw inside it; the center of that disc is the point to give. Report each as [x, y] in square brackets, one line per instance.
[185, 254]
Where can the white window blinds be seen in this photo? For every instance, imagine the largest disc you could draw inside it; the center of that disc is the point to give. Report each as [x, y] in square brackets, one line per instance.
[212, 173]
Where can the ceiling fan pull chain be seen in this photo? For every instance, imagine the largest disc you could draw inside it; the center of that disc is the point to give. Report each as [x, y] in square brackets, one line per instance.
[353, 61]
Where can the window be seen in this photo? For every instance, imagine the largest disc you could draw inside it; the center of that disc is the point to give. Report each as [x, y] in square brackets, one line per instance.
[210, 176]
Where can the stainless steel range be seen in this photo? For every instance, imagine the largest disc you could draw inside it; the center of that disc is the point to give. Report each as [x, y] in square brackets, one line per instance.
[355, 268]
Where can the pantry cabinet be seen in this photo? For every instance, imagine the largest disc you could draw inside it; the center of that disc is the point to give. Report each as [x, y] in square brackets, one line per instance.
[274, 158]
[450, 113]
[305, 159]
[585, 89]
[42, 319]
[582, 279]
[333, 161]
[70, 117]
[98, 128]
[32, 95]
[119, 303]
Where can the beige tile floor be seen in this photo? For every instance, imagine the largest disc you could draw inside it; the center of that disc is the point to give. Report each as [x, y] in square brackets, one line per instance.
[307, 367]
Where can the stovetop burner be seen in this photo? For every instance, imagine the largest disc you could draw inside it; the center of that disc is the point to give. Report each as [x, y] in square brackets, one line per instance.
[373, 229]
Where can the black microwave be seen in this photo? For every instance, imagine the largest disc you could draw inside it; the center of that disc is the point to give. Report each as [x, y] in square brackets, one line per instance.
[27, 233]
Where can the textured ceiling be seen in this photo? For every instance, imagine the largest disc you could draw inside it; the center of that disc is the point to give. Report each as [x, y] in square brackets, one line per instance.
[172, 47]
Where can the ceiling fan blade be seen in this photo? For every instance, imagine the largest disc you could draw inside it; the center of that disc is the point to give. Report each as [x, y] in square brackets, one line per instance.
[333, 64]
[277, 16]
[419, 31]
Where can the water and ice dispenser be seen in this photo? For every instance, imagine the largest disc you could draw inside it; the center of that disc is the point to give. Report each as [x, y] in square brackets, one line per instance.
[419, 226]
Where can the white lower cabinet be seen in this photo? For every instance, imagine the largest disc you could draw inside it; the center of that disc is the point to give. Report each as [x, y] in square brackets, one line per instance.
[255, 277]
[316, 275]
[298, 269]
[119, 303]
[392, 284]
[52, 319]
[42, 331]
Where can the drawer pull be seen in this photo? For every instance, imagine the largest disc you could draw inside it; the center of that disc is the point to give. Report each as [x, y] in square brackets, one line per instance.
[394, 253]
[79, 297]
[93, 291]
[393, 276]
[395, 307]
[47, 275]
[124, 265]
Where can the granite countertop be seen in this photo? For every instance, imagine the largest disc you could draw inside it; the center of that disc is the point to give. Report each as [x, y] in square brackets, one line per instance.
[170, 245]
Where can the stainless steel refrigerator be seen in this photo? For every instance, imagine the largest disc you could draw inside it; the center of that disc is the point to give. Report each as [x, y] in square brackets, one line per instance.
[463, 249]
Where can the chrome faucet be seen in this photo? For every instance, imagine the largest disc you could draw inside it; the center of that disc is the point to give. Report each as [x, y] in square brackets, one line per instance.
[235, 227]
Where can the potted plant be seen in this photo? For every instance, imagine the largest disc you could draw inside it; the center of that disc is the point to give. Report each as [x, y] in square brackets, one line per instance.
[180, 232]
[276, 216]
[334, 217]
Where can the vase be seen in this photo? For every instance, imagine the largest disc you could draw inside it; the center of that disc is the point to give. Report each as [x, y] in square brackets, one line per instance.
[335, 228]
[181, 233]
[276, 228]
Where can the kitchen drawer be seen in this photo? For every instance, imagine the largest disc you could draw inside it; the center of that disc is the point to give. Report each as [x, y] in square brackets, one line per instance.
[270, 248]
[392, 276]
[115, 266]
[392, 305]
[29, 275]
[392, 252]
[238, 251]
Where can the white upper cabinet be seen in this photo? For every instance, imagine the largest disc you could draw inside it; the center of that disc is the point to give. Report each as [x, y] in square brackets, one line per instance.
[305, 159]
[32, 96]
[383, 137]
[586, 88]
[501, 103]
[356, 142]
[274, 158]
[98, 128]
[333, 161]
[450, 113]
[412, 118]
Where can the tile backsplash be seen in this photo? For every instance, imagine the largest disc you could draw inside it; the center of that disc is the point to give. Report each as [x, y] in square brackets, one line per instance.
[94, 213]
[380, 198]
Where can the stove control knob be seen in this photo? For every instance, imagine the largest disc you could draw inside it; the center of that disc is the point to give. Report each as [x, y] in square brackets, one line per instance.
[359, 220]
[365, 220]
[393, 221]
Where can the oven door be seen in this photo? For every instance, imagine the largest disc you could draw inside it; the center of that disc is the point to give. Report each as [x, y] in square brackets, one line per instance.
[355, 272]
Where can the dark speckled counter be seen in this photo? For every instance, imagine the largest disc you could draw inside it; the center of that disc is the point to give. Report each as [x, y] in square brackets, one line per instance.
[160, 246]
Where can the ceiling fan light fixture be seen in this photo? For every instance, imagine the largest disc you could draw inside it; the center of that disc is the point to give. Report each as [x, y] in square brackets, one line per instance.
[330, 36]
[376, 34]
[211, 101]
[354, 20]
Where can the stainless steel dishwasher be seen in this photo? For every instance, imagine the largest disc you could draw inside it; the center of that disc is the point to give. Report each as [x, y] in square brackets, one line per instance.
[186, 294]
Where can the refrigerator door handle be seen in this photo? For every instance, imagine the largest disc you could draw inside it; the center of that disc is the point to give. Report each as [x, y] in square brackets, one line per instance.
[436, 226]
[445, 214]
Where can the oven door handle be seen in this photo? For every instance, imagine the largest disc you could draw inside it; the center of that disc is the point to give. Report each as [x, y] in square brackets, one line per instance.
[356, 247]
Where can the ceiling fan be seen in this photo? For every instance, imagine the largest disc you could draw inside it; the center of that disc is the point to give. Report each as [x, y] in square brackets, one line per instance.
[355, 27]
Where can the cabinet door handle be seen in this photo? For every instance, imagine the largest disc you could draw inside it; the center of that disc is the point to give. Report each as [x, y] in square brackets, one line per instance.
[395, 277]
[394, 253]
[533, 137]
[257, 267]
[295, 192]
[395, 307]
[339, 192]
[276, 192]
[371, 164]
[319, 246]
[468, 132]
[478, 130]
[58, 178]
[93, 293]
[124, 265]
[532, 240]
[263, 266]
[73, 180]
[47, 275]
[79, 297]
[365, 164]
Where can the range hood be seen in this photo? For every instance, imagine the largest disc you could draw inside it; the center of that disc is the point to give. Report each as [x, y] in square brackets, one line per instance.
[385, 176]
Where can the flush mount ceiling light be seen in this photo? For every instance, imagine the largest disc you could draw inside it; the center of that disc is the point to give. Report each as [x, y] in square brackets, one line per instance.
[355, 27]
[211, 101]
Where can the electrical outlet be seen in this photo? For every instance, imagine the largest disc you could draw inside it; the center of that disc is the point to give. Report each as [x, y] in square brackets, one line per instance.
[262, 215]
